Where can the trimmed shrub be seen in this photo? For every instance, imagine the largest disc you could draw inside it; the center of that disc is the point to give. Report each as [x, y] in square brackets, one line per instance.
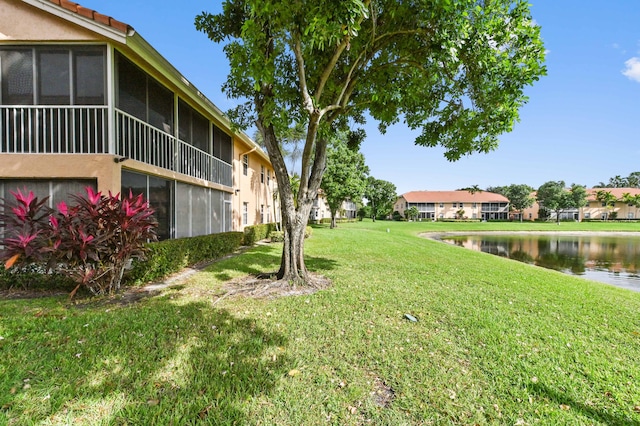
[255, 233]
[327, 220]
[170, 256]
[278, 236]
[34, 277]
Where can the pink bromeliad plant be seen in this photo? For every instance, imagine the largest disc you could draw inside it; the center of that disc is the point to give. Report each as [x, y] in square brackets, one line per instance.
[92, 241]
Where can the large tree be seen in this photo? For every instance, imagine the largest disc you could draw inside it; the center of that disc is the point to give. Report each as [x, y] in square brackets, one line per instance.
[519, 197]
[381, 195]
[345, 177]
[456, 70]
[553, 196]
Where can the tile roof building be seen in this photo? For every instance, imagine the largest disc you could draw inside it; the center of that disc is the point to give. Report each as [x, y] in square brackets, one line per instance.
[434, 205]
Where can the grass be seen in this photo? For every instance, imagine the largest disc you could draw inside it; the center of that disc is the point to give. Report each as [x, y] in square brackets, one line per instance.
[496, 342]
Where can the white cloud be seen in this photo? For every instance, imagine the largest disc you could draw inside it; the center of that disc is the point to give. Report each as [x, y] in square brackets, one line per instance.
[632, 70]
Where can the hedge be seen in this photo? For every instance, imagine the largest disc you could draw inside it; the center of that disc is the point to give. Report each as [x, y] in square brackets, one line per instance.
[162, 259]
[255, 233]
[327, 220]
[169, 256]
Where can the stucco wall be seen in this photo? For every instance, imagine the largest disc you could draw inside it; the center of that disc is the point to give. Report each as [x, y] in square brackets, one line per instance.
[60, 166]
[19, 21]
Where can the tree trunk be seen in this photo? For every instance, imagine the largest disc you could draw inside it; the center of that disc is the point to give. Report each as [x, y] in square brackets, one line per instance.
[295, 213]
[292, 266]
[333, 220]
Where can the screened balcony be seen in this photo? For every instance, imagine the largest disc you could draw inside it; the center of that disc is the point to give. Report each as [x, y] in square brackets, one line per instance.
[54, 99]
[29, 129]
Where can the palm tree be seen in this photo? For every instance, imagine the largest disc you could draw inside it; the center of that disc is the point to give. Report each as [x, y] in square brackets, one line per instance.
[631, 200]
[472, 189]
[607, 199]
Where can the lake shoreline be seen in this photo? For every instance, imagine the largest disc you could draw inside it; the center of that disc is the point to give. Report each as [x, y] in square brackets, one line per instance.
[438, 236]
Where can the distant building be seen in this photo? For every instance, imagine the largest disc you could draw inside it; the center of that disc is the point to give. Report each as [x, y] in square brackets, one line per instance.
[433, 205]
[320, 209]
[621, 210]
[594, 210]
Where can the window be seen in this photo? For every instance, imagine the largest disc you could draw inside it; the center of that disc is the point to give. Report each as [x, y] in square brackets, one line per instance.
[245, 164]
[193, 127]
[261, 174]
[143, 97]
[132, 89]
[441, 205]
[222, 147]
[89, 77]
[54, 74]
[53, 82]
[159, 193]
[454, 205]
[17, 77]
[268, 177]
[262, 213]
[160, 106]
[630, 215]
[245, 213]
[474, 205]
[56, 189]
[461, 205]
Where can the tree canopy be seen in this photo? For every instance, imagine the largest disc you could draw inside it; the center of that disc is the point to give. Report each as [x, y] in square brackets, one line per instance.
[519, 197]
[554, 196]
[381, 195]
[631, 181]
[454, 70]
[345, 177]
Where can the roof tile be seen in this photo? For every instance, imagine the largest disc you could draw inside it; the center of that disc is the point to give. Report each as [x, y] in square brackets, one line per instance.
[92, 14]
[453, 196]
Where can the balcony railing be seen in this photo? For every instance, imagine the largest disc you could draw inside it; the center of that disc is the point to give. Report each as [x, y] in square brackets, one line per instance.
[84, 130]
[142, 142]
[53, 129]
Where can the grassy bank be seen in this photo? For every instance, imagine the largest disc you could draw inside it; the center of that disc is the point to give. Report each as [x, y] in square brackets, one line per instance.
[496, 342]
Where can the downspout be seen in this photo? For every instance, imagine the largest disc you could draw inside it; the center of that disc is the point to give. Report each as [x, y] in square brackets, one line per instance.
[238, 188]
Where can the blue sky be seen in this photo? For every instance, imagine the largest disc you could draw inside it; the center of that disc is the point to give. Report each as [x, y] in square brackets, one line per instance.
[581, 125]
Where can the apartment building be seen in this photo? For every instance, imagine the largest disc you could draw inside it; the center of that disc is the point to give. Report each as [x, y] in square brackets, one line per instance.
[433, 205]
[86, 101]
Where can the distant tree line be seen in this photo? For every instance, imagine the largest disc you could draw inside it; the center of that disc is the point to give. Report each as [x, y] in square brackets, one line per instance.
[631, 181]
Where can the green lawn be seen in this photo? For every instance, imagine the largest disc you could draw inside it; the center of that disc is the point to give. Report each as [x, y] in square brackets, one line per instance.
[496, 342]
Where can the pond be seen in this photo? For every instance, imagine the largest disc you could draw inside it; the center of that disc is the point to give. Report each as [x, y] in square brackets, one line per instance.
[612, 259]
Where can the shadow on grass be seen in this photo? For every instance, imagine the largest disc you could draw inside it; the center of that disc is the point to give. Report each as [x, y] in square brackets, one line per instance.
[158, 362]
[263, 260]
[591, 412]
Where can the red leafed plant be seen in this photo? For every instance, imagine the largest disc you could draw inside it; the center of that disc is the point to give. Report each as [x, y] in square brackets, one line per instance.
[24, 219]
[92, 241]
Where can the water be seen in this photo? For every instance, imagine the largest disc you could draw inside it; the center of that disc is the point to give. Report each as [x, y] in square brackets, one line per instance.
[609, 259]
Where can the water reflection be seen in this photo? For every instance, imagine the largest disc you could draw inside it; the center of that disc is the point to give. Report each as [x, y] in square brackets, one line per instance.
[610, 259]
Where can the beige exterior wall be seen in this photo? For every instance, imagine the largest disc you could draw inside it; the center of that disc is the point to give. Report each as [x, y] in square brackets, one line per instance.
[60, 166]
[21, 22]
[595, 210]
[253, 189]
